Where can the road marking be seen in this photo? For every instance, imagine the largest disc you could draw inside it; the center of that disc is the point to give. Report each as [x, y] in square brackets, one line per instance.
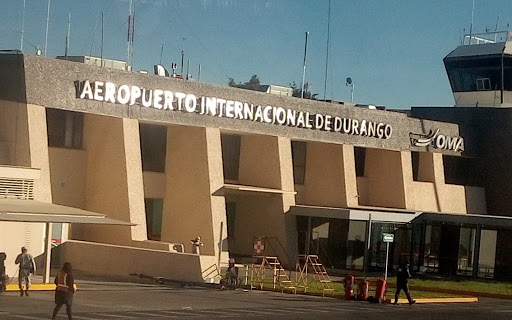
[215, 313]
[246, 311]
[114, 315]
[85, 318]
[338, 309]
[176, 313]
[311, 309]
[149, 314]
[25, 317]
[290, 311]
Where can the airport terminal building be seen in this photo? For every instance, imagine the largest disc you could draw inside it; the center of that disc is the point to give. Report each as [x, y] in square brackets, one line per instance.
[174, 160]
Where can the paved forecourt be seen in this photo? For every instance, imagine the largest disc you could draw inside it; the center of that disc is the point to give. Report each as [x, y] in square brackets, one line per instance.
[97, 301]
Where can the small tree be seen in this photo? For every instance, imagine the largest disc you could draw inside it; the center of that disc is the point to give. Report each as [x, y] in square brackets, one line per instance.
[252, 84]
[297, 90]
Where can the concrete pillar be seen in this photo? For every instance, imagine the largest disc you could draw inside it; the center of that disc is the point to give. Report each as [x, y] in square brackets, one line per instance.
[330, 179]
[264, 214]
[39, 158]
[114, 184]
[389, 178]
[193, 175]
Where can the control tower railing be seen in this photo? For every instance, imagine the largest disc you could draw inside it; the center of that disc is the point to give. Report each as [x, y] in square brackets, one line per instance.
[487, 37]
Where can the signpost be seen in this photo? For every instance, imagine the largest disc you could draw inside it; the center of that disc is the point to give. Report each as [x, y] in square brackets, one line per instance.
[387, 238]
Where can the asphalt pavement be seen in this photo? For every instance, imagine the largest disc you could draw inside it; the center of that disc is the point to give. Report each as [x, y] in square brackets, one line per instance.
[125, 301]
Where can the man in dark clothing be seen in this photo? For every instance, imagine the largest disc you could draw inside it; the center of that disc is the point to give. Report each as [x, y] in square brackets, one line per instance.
[64, 290]
[402, 280]
[3, 281]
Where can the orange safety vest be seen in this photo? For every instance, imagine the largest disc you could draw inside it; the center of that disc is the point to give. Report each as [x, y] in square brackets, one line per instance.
[62, 284]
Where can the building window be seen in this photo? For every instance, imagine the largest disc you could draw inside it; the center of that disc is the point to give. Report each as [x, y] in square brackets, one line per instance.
[360, 159]
[153, 144]
[230, 156]
[483, 84]
[230, 217]
[463, 171]
[65, 128]
[415, 156]
[154, 209]
[299, 150]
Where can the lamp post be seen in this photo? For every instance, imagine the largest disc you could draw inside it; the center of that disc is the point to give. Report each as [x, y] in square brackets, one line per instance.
[351, 84]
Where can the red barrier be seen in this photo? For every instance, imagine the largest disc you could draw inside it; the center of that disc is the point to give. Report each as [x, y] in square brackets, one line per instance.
[348, 283]
[381, 290]
[363, 290]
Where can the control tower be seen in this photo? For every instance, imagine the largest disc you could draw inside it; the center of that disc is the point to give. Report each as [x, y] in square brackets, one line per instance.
[480, 70]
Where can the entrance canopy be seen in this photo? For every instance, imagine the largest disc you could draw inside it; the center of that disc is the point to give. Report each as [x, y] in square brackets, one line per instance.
[358, 214]
[399, 216]
[465, 218]
[22, 210]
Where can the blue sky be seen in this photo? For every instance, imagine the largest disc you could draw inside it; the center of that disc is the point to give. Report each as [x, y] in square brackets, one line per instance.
[392, 49]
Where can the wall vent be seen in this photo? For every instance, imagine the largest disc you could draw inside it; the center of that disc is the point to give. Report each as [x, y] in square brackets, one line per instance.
[16, 188]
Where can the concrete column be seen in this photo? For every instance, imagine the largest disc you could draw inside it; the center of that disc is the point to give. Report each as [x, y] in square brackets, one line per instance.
[38, 146]
[114, 184]
[389, 178]
[264, 214]
[39, 158]
[330, 175]
[193, 175]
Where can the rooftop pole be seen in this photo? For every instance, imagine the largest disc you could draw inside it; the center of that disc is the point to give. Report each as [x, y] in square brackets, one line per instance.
[327, 54]
[471, 26]
[68, 35]
[22, 26]
[304, 66]
[46, 34]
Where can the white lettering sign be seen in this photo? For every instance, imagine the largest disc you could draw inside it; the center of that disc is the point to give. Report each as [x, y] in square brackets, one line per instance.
[222, 108]
[438, 141]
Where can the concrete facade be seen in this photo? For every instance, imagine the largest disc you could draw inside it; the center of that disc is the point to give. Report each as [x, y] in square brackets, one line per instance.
[105, 174]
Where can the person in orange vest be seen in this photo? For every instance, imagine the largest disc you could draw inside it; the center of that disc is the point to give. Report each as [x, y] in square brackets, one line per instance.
[64, 291]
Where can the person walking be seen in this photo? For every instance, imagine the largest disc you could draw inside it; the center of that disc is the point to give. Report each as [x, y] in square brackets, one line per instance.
[64, 291]
[402, 282]
[27, 267]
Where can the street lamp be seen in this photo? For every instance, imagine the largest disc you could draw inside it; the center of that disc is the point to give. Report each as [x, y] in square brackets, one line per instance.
[351, 84]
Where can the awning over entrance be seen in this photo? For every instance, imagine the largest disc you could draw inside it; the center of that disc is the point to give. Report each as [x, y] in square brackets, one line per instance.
[22, 210]
[399, 216]
[243, 189]
[466, 218]
[359, 214]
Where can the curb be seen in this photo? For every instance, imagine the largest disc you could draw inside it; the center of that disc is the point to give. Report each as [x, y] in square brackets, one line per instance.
[439, 300]
[455, 291]
[33, 287]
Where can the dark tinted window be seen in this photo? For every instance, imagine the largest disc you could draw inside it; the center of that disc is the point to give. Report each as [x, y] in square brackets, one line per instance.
[65, 128]
[299, 161]
[153, 145]
[230, 156]
[360, 159]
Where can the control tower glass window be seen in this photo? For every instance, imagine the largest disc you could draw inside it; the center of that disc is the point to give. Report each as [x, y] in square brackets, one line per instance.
[474, 74]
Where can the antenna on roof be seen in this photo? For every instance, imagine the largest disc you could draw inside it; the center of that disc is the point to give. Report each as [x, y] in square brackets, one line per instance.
[327, 54]
[22, 26]
[131, 26]
[471, 26]
[67, 36]
[46, 33]
[161, 53]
